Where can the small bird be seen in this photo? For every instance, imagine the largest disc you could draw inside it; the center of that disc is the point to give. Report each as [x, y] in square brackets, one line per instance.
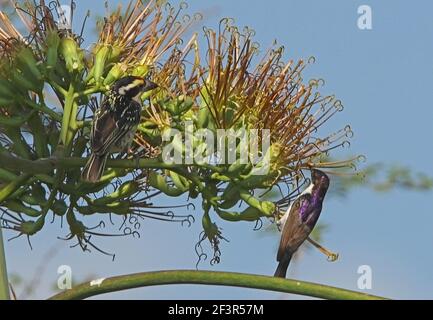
[115, 122]
[300, 219]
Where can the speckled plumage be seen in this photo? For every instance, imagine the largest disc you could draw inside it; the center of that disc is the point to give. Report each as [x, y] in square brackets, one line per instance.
[114, 123]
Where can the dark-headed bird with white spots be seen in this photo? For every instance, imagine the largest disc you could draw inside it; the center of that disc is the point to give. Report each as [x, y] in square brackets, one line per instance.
[115, 123]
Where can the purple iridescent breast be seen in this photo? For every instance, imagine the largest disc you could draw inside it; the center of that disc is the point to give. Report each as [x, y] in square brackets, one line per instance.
[304, 209]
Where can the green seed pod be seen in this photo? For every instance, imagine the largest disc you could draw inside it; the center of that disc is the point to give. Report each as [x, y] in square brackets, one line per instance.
[36, 196]
[120, 208]
[266, 207]
[75, 226]
[220, 177]
[102, 54]
[26, 61]
[115, 53]
[229, 203]
[52, 43]
[127, 189]
[203, 117]
[185, 103]
[31, 227]
[260, 181]
[115, 73]
[140, 70]
[249, 214]
[230, 191]
[72, 54]
[210, 228]
[59, 207]
[179, 106]
[230, 196]
[158, 181]
[171, 107]
[18, 206]
[180, 182]
[38, 191]
[151, 131]
[31, 200]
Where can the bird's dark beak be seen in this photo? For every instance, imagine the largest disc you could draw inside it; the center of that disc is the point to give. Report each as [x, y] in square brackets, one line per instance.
[150, 86]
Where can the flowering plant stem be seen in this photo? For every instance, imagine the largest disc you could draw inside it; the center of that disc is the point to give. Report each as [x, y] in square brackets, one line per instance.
[5, 192]
[4, 282]
[145, 279]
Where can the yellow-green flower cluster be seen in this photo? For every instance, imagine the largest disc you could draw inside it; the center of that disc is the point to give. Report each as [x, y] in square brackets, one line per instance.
[48, 90]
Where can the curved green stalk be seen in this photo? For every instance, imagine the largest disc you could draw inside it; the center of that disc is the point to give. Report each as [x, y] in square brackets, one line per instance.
[4, 282]
[145, 279]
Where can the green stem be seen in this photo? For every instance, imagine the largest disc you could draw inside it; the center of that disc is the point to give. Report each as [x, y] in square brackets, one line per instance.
[145, 279]
[4, 282]
[67, 115]
[13, 186]
[42, 107]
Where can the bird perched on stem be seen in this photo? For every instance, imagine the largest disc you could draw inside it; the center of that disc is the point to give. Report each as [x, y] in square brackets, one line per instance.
[300, 219]
[115, 122]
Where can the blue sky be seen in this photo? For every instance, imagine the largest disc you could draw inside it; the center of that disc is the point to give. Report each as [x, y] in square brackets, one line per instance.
[383, 77]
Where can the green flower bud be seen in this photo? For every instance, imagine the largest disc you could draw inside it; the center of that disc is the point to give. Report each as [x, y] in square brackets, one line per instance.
[102, 55]
[180, 182]
[31, 227]
[179, 106]
[140, 70]
[151, 131]
[125, 190]
[27, 63]
[266, 207]
[249, 214]
[59, 207]
[115, 73]
[72, 54]
[158, 182]
[52, 42]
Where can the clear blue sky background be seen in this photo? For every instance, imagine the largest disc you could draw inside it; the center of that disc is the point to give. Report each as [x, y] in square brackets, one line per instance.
[384, 77]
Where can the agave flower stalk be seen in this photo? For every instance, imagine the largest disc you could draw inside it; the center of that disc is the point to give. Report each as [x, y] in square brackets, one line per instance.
[50, 86]
[4, 282]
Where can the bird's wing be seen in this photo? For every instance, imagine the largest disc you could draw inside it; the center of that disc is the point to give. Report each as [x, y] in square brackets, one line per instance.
[295, 232]
[110, 126]
[104, 131]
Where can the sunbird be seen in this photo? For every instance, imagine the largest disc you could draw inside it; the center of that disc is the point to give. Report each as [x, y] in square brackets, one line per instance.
[300, 219]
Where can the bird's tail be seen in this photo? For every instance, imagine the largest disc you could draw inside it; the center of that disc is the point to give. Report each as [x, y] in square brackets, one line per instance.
[94, 168]
[283, 265]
